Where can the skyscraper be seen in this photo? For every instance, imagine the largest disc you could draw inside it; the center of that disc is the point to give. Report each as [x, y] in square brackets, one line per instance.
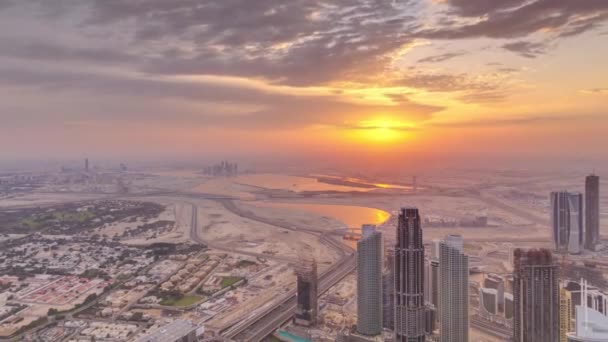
[565, 309]
[536, 297]
[388, 293]
[410, 310]
[567, 221]
[453, 290]
[592, 211]
[370, 255]
[307, 305]
[86, 164]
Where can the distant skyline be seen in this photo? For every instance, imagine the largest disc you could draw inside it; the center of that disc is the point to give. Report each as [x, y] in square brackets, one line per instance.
[335, 81]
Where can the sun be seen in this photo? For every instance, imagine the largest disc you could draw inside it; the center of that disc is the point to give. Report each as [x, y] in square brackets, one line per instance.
[382, 130]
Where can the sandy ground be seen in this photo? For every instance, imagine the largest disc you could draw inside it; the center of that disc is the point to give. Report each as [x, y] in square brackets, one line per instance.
[220, 226]
[225, 187]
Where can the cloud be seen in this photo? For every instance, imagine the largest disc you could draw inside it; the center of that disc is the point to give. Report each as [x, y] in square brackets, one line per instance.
[254, 107]
[514, 121]
[519, 18]
[442, 57]
[526, 49]
[595, 91]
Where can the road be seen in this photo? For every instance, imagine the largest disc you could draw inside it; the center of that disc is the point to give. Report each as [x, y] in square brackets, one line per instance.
[256, 328]
[261, 324]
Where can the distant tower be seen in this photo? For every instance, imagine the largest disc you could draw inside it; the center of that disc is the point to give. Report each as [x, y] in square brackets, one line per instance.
[307, 285]
[86, 164]
[536, 297]
[370, 255]
[410, 310]
[565, 309]
[567, 221]
[453, 290]
[592, 211]
[388, 293]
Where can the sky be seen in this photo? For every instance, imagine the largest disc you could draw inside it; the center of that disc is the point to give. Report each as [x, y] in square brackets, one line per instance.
[356, 82]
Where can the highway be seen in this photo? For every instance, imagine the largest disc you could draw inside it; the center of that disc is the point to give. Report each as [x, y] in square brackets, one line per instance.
[256, 328]
[261, 324]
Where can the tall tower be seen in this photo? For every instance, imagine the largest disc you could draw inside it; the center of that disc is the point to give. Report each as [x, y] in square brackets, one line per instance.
[567, 221]
[307, 305]
[370, 255]
[565, 309]
[453, 290]
[388, 293]
[536, 297]
[410, 310]
[86, 164]
[592, 211]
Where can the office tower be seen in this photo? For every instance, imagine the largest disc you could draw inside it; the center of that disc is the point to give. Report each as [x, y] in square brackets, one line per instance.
[453, 291]
[493, 281]
[307, 306]
[431, 282]
[410, 310]
[509, 306]
[536, 297]
[567, 221]
[488, 300]
[86, 164]
[370, 255]
[388, 291]
[592, 211]
[565, 307]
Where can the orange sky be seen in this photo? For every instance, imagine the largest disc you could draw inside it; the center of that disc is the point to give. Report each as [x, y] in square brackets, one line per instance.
[364, 84]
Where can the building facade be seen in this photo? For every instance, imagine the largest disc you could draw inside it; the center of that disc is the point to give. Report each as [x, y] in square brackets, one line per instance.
[453, 290]
[388, 282]
[410, 310]
[536, 297]
[567, 221]
[592, 212]
[370, 255]
[307, 295]
[565, 313]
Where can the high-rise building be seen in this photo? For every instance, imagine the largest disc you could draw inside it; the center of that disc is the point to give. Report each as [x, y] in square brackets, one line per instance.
[488, 300]
[388, 291]
[565, 309]
[370, 255]
[453, 290]
[536, 297]
[410, 310]
[592, 211]
[431, 283]
[307, 301]
[493, 281]
[567, 221]
[86, 164]
[509, 306]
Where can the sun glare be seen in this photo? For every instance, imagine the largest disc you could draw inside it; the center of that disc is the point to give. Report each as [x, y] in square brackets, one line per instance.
[382, 130]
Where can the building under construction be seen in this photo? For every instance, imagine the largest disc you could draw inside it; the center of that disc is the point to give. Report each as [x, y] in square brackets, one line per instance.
[307, 295]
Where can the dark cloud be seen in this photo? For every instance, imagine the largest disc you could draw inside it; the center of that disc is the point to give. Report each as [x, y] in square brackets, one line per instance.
[512, 18]
[476, 8]
[526, 49]
[45, 51]
[441, 58]
[322, 40]
[278, 110]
